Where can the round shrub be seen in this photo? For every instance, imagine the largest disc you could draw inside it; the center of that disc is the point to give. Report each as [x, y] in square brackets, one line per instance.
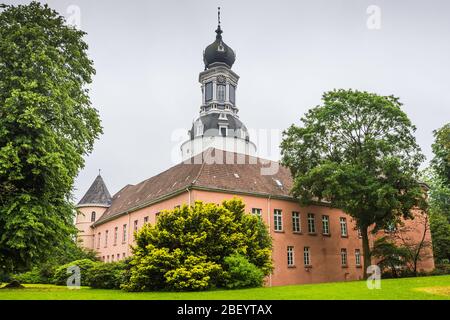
[32, 276]
[240, 273]
[61, 275]
[106, 275]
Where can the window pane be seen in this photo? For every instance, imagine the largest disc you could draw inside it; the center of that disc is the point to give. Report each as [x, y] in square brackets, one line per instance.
[208, 91]
[221, 93]
[232, 93]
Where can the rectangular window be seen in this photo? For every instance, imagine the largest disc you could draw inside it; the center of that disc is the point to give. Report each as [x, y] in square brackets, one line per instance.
[146, 219]
[99, 239]
[93, 216]
[107, 258]
[123, 255]
[325, 224]
[157, 215]
[223, 131]
[359, 232]
[290, 256]
[124, 235]
[277, 220]
[344, 257]
[106, 238]
[118, 256]
[221, 93]
[257, 212]
[306, 256]
[208, 91]
[343, 223]
[358, 257]
[232, 94]
[116, 235]
[135, 228]
[311, 223]
[112, 258]
[296, 227]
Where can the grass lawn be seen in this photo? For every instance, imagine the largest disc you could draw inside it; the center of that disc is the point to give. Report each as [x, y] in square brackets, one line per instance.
[437, 287]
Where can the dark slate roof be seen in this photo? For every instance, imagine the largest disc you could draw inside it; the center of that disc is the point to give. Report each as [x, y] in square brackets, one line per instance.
[211, 123]
[237, 174]
[96, 194]
[218, 52]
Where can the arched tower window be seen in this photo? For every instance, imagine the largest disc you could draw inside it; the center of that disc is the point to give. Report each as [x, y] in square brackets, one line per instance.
[93, 216]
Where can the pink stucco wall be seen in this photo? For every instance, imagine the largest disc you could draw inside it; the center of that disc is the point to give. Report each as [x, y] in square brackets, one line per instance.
[325, 250]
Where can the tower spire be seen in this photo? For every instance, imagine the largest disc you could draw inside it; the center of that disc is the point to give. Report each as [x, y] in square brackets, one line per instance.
[219, 30]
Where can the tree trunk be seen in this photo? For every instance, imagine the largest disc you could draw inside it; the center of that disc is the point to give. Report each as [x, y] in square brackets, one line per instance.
[366, 249]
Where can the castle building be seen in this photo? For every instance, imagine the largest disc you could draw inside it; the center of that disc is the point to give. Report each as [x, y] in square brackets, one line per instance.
[311, 244]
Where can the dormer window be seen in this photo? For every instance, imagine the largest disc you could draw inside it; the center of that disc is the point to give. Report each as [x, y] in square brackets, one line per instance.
[223, 131]
[221, 93]
[222, 116]
[208, 91]
[199, 129]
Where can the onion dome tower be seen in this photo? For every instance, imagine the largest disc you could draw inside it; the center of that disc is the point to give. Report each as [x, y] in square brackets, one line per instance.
[218, 125]
[90, 208]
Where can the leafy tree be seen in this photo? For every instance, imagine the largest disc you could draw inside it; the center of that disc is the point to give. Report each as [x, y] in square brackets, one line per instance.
[391, 258]
[47, 125]
[186, 249]
[358, 151]
[441, 150]
[438, 179]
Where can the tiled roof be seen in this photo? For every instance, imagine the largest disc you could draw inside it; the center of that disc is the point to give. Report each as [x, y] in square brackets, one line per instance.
[97, 194]
[236, 173]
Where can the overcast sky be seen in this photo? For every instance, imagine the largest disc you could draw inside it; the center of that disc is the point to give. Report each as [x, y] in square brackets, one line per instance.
[148, 55]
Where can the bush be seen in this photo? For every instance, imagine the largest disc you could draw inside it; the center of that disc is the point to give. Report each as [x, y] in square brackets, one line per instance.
[106, 275]
[240, 273]
[441, 269]
[32, 276]
[196, 273]
[186, 249]
[60, 277]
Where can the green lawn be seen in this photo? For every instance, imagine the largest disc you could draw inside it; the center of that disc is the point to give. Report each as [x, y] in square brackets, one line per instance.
[437, 287]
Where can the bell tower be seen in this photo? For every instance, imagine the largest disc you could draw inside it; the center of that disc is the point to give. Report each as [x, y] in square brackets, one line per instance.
[218, 125]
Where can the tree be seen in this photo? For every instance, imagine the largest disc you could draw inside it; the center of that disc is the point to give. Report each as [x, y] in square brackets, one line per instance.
[437, 177]
[47, 125]
[195, 247]
[390, 257]
[416, 249]
[441, 150]
[357, 151]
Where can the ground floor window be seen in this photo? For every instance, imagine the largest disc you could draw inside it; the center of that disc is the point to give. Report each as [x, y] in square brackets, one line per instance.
[344, 257]
[306, 256]
[290, 256]
[358, 257]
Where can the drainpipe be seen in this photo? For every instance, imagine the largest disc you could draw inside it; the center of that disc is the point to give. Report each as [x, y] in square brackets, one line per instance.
[128, 235]
[189, 192]
[269, 225]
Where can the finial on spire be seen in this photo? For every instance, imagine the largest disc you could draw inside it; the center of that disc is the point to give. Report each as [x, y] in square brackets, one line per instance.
[99, 171]
[218, 16]
[219, 30]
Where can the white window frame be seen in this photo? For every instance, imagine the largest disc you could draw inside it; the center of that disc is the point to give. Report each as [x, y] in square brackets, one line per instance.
[290, 256]
[220, 92]
[343, 224]
[277, 220]
[199, 129]
[311, 223]
[344, 257]
[257, 212]
[220, 130]
[116, 235]
[106, 238]
[296, 223]
[358, 257]
[325, 224]
[306, 256]
[124, 235]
